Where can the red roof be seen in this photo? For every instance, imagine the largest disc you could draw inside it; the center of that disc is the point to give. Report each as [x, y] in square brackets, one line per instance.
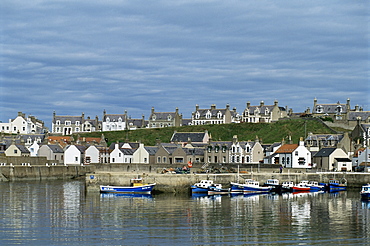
[287, 148]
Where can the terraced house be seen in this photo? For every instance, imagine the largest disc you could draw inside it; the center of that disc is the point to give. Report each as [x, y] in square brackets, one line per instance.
[263, 113]
[214, 115]
[67, 125]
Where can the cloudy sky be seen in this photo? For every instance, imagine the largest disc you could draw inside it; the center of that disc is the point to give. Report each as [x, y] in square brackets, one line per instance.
[86, 56]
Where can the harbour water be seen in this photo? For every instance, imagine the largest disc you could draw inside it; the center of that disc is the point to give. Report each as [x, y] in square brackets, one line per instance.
[63, 213]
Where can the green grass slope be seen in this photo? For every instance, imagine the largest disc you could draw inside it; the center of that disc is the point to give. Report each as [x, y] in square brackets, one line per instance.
[267, 132]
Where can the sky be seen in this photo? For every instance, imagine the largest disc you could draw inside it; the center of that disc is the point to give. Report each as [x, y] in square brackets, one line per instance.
[75, 57]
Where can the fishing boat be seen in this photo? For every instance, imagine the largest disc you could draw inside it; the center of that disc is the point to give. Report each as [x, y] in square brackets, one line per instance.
[238, 188]
[336, 185]
[365, 192]
[301, 186]
[274, 183]
[216, 189]
[202, 186]
[315, 186]
[287, 186]
[137, 186]
[252, 186]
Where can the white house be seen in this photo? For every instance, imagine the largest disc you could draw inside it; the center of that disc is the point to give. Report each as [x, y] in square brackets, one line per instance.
[294, 155]
[74, 155]
[121, 155]
[141, 155]
[92, 155]
[23, 125]
[34, 148]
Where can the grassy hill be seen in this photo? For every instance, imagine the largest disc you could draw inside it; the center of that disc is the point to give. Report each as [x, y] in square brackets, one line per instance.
[267, 132]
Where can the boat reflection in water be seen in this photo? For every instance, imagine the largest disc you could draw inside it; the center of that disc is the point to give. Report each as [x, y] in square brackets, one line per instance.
[126, 195]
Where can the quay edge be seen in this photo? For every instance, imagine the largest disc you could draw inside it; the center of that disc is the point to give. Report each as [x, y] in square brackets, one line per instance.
[180, 183]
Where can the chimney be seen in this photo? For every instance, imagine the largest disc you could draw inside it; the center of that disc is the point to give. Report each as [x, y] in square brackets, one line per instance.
[213, 106]
[262, 103]
[248, 104]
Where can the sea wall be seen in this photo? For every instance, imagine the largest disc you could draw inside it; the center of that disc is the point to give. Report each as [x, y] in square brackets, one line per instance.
[17, 173]
[180, 183]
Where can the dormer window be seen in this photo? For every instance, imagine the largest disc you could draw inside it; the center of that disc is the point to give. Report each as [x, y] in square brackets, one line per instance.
[319, 109]
[119, 119]
[197, 115]
[57, 122]
[108, 120]
[208, 115]
[267, 111]
[219, 115]
[169, 118]
[154, 117]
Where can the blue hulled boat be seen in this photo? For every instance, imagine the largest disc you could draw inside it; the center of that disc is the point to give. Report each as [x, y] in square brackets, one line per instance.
[202, 186]
[365, 192]
[335, 185]
[136, 187]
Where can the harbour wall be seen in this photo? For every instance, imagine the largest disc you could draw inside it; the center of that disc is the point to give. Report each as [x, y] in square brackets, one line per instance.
[38, 172]
[180, 183]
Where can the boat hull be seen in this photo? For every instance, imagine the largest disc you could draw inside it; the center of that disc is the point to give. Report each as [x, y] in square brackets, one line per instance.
[143, 189]
[261, 189]
[196, 189]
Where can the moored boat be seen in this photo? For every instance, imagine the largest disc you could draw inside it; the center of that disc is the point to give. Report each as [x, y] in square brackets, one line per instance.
[216, 189]
[287, 186]
[301, 186]
[365, 192]
[336, 185]
[202, 186]
[137, 186]
[274, 183]
[315, 186]
[252, 186]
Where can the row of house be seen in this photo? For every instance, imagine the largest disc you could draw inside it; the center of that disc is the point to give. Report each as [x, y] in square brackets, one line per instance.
[67, 124]
[198, 148]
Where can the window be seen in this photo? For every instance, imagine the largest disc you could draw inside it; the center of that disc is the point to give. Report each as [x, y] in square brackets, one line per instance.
[224, 159]
[247, 149]
[209, 159]
[76, 158]
[208, 115]
[77, 129]
[164, 159]
[296, 153]
[283, 160]
[77, 123]
[68, 123]
[15, 151]
[57, 122]
[158, 159]
[301, 161]
[287, 160]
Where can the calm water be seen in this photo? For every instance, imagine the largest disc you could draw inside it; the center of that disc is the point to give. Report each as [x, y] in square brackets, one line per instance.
[62, 213]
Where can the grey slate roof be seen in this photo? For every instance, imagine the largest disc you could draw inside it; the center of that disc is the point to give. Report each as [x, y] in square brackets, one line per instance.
[22, 148]
[325, 152]
[262, 109]
[128, 151]
[55, 148]
[114, 117]
[185, 136]
[353, 115]
[151, 150]
[63, 119]
[330, 108]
